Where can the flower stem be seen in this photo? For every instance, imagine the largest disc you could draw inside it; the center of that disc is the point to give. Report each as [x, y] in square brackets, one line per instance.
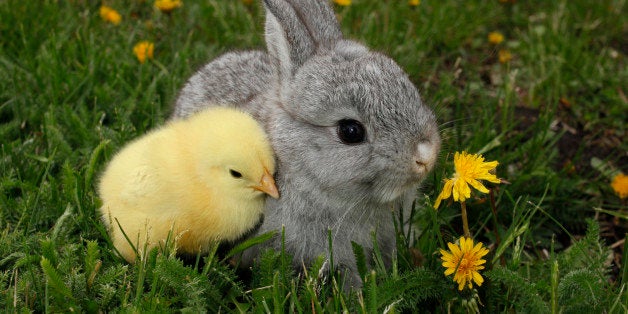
[465, 222]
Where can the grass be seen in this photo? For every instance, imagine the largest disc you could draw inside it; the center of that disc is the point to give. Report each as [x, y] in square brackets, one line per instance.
[554, 116]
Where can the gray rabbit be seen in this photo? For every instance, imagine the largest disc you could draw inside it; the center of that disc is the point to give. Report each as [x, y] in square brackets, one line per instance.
[352, 137]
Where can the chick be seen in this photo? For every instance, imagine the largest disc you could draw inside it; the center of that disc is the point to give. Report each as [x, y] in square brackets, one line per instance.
[203, 179]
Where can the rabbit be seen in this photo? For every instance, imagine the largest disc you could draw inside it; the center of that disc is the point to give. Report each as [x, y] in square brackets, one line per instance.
[351, 135]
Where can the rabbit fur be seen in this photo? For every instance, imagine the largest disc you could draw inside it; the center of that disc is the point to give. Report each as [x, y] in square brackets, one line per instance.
[309, 81]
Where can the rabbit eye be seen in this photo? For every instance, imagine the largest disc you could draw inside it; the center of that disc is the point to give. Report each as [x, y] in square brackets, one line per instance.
[235, 174]
[351, 131]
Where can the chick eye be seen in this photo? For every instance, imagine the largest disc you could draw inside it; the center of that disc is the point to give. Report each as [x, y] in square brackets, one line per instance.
[235, 174]
[351, 131]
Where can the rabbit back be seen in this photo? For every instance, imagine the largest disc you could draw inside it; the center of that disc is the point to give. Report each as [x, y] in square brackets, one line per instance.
[233, 78]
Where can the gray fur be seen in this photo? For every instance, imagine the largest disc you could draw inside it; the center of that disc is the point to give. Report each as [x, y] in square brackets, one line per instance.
[233, 78]
[310, 79]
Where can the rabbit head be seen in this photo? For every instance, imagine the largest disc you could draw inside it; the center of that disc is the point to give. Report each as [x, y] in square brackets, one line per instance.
[349, 119]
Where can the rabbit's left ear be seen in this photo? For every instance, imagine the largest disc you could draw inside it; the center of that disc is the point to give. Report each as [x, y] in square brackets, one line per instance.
[295, 29]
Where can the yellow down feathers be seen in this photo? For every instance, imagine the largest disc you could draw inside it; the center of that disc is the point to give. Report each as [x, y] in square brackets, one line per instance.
[204, 179]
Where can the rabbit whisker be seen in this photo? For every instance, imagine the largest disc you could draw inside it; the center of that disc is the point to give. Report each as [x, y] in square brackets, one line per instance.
[349, 209]
[359, 221]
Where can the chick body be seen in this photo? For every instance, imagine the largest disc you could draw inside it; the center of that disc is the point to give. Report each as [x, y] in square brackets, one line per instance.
[203, 178]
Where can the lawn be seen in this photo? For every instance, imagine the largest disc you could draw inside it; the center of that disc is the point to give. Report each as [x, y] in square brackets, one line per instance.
[538, 86]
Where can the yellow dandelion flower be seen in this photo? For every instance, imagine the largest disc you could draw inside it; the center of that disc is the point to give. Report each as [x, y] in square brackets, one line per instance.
[143, 50]
[495, 38]
[343, 3]
[504, 56]
[620, 185]
[469, 169]
[167, 6]
[414, 3]
[110, 15]
[464, 261]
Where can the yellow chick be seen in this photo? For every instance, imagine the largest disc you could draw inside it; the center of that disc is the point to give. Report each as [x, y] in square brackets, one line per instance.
[203, 178]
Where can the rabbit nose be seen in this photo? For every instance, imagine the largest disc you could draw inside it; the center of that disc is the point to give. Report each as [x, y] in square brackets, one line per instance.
[420, 166]
[424, 157]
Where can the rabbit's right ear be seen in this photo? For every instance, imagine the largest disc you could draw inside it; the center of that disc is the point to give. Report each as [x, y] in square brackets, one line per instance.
[295, 29]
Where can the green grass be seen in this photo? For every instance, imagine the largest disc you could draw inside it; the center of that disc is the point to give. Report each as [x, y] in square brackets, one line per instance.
[72, 94]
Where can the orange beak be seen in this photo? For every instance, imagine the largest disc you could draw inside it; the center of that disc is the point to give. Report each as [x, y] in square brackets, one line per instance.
[267, 185]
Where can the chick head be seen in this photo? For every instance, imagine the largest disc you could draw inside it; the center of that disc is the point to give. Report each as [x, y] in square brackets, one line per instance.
[235, 156]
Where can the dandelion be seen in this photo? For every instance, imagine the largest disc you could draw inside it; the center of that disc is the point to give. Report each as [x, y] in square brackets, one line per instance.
[495, 38]
[167, 6]
[110, 15]
[343, 3]
[464, 261]
[143, 50]
[469, 170]
[620, 185]
[414, 3]
[504, 56]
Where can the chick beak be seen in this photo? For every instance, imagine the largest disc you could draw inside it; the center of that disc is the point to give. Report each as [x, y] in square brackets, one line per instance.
[267, 185]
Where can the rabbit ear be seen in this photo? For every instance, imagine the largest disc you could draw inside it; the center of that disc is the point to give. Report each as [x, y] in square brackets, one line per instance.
[320, 20]
[295, 29]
